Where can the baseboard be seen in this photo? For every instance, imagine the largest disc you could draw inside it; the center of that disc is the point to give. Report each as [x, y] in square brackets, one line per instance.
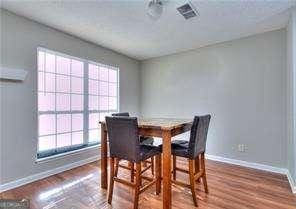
[256, 166]
[35, 177]
[292, 182]
[247, 164]
[38, 176]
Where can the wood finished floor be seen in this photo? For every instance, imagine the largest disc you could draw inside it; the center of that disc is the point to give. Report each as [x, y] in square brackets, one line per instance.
[231, 187]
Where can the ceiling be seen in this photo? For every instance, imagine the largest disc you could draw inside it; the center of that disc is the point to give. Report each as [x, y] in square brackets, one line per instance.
[125, 27]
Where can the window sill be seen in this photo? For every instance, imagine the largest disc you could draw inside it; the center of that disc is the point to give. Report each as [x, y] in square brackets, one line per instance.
[63, 155]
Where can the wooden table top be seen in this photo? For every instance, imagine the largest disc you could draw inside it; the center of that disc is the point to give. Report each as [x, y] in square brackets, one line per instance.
[162, 123]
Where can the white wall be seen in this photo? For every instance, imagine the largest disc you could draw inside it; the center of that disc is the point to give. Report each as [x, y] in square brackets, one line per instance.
[19, 39]
[241, 83]
[291, 84]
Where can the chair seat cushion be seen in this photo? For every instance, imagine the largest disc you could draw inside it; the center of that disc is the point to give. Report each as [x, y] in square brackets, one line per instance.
[146, 140]
[180, 143]
[180, 148]
[148, 151]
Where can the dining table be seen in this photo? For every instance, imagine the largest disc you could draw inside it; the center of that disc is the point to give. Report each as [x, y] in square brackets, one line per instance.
[164, 128]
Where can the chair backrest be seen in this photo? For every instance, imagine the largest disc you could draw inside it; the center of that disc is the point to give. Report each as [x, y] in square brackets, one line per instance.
[123, 138]
[198, 135]
[125, 114]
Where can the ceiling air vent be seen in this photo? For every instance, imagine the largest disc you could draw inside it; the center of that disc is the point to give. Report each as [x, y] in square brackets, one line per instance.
[187, 10]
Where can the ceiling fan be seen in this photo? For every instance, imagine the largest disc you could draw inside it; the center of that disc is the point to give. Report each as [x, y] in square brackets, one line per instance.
[155, 8]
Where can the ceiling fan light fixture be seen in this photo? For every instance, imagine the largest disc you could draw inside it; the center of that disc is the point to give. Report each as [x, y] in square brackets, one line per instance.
[155, 8]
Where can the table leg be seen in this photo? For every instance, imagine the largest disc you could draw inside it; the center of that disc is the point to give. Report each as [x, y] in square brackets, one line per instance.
[166, 172]
[104, 174]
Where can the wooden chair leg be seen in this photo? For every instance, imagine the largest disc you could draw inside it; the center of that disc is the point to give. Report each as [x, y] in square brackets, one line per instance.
[192, 181]
[152, 166]
[158, 173]
[144, 164]
[132, 170]
[197, 167]
[174, 167]
[204, 177]
[116, 160]
[111, 184]
[137, 185]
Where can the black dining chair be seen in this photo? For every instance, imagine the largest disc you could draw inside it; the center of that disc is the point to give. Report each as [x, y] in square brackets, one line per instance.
[124, 143]
[194, 151]
[143, 140]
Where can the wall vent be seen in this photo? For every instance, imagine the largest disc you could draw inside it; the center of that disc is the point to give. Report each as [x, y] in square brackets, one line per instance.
[187, 10]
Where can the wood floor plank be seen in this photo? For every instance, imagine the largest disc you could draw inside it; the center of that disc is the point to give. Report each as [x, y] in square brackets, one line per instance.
[231, 187]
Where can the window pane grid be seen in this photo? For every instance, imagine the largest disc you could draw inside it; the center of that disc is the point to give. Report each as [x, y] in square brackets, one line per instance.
[53, 92]
[62, 74]
[58, 112]
[69, 91]
[99, 97]
[98, 80]
[59, 122]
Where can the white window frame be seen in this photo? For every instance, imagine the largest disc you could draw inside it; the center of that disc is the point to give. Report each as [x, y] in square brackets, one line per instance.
[85, 110]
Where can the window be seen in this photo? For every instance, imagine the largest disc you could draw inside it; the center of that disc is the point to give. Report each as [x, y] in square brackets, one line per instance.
[73, 96]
